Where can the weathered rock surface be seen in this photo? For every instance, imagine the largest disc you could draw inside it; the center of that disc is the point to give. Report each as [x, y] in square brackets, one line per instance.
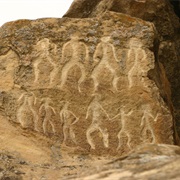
[75, 88]
[85, 81]
[161, 14]
[145, 162]
[29, 158]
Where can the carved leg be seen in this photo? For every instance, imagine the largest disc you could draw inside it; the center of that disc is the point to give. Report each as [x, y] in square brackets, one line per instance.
[90, 130]
[105, 137]
[115, 81]
[129, 140]
[72, 135]
[53, 127]
[95, 82]
[36, 71]
[65, 133]
[83, 76]
[45, 124]
[64, 73]
[53, 75]
[119, 138]
[115, 77]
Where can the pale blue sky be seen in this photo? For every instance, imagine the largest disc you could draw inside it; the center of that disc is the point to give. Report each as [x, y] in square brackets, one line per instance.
[11, 10]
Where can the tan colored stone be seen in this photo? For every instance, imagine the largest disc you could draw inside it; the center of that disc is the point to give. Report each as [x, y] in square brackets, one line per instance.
[162, 14]
[86, 83]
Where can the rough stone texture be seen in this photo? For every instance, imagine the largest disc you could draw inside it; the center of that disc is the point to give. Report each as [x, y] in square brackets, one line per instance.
[161, 13]
[85, 82]
[146, 162]
[75, 88]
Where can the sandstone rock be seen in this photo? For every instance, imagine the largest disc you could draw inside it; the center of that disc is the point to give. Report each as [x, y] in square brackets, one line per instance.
[87, 97]
[161, 14]
[145, 162]
[85, 82]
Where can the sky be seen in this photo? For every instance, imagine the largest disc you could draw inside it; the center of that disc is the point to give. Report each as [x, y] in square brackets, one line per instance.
[11, 10]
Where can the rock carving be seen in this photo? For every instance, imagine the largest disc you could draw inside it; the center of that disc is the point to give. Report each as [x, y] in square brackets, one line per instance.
[49, 112]
[44, 53]
[68, 119]
[96, 110]
[26, 113]
[136, 56]
[78, 57]
[105, 56]
[146, 124]
[124, 131]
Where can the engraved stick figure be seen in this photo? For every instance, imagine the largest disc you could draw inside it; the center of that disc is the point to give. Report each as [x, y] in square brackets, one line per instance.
[68, 119]
[138, 57]
[124, 122]
[96, 110]
[26, 114]
[49, 113]
[78, 49]
[145, 121]
[45, 54]
[103, 58]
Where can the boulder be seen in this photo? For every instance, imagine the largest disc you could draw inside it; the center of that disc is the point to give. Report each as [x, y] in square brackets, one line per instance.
[161, 14]
[95, 85]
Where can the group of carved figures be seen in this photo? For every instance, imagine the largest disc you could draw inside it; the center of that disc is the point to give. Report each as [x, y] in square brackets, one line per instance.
[76, 53]
[40, 117]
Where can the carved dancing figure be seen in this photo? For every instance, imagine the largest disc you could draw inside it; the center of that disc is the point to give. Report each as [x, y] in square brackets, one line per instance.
[145, 122]
[136, 57]
[45, 53]
[49, 112]
[96, 111]
[74, 53]
[124, 123]
[26, 114]
[68, 119]
[105, 56]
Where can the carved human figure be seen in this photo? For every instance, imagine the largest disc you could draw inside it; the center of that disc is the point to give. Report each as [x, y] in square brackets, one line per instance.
[105, 57]
[95, 111]
[68, 119]
[124, 123]
[74, 53]
[48, 114]
[146, 122]
[44, 47]
[27, 116]
[136, 59]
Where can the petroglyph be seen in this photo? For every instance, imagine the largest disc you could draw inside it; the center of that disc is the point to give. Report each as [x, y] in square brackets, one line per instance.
[79, 55]
[26, 113]
[136, 56]
[43, 48]
[96, 111]
[124, 131]
[49, 112]
[90, 78]
[146, 120]
[105, 56]
[68, 119]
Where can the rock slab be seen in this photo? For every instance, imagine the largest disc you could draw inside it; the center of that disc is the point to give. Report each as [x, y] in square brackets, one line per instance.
[86, 82]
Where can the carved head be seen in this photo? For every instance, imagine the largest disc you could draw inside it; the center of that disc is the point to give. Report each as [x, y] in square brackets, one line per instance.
[96, 96]
[105, 39]
[76, 36]
[135, 43]
[44, 43]
[65, 104]
[46, 100]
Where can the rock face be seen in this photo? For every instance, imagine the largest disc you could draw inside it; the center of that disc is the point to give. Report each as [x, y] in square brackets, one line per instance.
[145, 162]
[93, 84]
[161, 14]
